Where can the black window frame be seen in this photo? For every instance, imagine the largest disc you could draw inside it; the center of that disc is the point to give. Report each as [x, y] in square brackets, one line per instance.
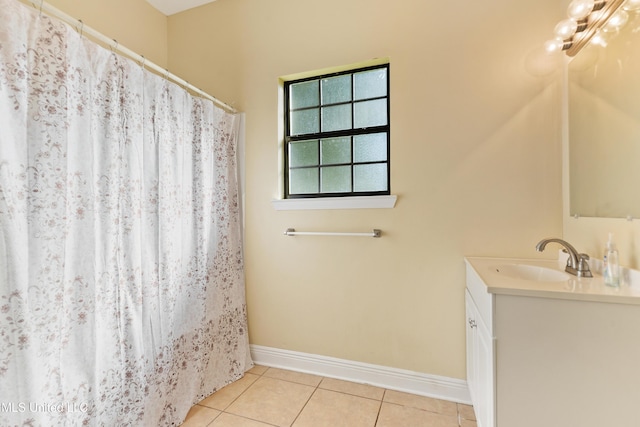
[288, 138]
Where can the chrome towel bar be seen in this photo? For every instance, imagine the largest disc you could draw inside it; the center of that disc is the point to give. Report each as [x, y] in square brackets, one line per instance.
[293, 232]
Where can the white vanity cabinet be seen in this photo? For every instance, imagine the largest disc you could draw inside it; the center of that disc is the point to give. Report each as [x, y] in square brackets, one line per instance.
[480, 349]
[553, 354]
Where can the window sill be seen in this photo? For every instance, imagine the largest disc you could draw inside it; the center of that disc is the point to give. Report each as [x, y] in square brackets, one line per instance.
[356, 202]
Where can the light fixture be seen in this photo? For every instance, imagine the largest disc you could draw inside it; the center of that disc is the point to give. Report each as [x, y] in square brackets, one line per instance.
[580, 9]
[585, 19]
[566, 29]
[616, 21]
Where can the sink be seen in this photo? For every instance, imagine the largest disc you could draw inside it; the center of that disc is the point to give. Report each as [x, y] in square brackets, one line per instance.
[531, 272]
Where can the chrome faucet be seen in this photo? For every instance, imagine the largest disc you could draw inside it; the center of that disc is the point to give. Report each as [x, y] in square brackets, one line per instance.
[576, 264]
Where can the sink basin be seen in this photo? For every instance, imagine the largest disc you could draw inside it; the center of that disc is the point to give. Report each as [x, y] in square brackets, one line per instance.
[531, 272]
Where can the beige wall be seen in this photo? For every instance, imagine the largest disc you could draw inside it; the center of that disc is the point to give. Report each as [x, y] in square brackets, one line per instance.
[475, 160]
[133, 23]
[589, 235]
[476, 164]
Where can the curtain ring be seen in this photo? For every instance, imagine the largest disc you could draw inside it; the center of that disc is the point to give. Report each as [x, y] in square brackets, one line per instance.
[114, 48]
[143, 61]
[166, 74]
[81, 27]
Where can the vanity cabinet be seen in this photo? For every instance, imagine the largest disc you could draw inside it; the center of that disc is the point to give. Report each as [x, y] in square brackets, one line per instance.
[480, 350]
[556, 354]
[480, 365]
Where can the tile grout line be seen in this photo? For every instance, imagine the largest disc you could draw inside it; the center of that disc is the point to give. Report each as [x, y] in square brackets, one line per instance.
[234, 399]
[380, 407]
[316, 387]
[224, 411]
[307, 402]
[238, 397]
[329, 389]
[220, 412]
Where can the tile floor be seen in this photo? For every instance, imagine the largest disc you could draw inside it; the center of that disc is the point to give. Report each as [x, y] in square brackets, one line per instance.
[267, 397]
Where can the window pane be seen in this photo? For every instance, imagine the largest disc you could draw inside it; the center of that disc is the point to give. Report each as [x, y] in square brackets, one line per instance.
[305, 121]
[330, 148]
[336, 179]
[303, 181]
[304, 94]
[370, 113]
[336, 89]
[335, 150]
[370, 84]
[370, 148]
[303, 153]
[370, 177]
[336, 118]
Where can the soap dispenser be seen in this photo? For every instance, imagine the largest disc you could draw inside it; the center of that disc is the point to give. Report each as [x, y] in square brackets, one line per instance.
[611, 264]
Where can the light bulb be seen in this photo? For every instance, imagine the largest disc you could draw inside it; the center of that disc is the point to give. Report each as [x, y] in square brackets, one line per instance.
[631, 5]
[566, 29]
[599, 39]
[616, 21]
[596, 16]
[554, 45]
[580, 9]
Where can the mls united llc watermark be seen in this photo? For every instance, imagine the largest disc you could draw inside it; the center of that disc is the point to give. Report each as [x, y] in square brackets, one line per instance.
[20, 407]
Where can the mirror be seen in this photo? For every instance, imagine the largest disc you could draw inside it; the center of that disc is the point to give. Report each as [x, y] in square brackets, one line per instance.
[604, 126]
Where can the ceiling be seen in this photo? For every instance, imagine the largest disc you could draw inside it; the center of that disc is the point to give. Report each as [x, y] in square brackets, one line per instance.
[169, 7]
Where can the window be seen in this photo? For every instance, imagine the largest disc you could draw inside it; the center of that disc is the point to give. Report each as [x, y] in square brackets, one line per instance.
[337, 134]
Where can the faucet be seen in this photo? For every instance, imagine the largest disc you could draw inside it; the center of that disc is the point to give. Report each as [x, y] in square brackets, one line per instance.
[577, 262]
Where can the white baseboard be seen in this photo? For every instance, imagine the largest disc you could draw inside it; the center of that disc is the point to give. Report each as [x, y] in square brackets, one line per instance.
[438, 387]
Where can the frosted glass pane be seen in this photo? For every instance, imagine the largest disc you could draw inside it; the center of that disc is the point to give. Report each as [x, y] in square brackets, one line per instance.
[370, 177]
[336, 118]
[370, 113]
[304, 94]
[370, 84]
[305, 121]
[336, 89]
[335, 150]
[336, 179]
[303, 181]
[370, 148]
[303, 153]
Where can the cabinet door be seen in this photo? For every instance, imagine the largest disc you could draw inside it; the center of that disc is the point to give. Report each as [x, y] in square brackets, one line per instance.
[480, 365]
[485, 375]
[472, 348]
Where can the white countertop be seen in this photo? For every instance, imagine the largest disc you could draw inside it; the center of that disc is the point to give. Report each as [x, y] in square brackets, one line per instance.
[575, 288]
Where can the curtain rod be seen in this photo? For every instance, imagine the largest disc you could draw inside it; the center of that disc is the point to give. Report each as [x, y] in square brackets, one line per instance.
[114, 45]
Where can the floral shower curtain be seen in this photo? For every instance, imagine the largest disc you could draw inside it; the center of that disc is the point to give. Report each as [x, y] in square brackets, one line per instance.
[121, 271]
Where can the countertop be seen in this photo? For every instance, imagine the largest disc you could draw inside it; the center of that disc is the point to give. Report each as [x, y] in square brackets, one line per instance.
[574, 288]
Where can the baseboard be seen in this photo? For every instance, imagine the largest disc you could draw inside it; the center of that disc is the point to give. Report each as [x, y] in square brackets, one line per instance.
[438, 387]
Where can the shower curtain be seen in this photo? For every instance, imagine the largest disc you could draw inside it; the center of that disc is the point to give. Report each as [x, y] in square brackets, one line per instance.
[121, 270]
